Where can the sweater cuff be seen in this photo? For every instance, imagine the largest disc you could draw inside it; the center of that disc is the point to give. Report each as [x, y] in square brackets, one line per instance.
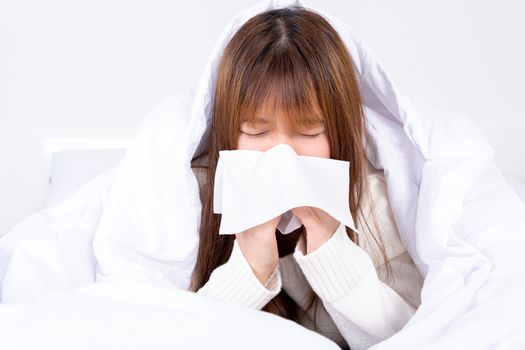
[336, 267]
[236, 282]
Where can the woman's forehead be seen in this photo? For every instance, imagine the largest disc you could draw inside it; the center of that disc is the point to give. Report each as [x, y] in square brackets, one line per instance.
[279, 100]
[269, 116]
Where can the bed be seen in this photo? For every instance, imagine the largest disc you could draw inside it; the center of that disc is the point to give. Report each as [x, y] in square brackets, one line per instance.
[437, 163]
[48, 290]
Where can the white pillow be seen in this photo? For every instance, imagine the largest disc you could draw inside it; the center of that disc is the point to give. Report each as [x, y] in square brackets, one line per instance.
[71, 169]
[518, 186]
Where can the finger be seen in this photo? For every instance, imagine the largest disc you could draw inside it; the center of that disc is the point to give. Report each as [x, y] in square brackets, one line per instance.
[306, 214]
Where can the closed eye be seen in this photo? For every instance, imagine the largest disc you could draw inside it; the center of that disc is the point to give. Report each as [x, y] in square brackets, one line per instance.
[264, 132]
[254, 135]
[313, 135]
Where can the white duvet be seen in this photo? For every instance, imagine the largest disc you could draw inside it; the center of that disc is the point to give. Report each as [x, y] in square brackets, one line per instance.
[136, 226]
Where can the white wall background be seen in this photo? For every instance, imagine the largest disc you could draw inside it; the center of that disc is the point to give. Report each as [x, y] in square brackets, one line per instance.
[80, 68]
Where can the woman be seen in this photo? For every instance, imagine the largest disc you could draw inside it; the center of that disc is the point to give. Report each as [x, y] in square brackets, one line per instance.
[287, 77]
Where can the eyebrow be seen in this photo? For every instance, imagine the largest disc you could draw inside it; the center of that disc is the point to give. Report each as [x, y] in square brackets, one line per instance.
[266, 121]
[262, 121]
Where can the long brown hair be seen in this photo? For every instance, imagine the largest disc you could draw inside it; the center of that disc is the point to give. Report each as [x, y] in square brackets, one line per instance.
[293, 59]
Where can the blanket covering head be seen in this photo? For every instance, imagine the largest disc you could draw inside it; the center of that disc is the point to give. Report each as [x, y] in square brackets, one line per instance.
[461, 223]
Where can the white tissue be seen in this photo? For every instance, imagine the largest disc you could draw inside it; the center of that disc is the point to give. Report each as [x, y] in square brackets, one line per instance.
[253, 187]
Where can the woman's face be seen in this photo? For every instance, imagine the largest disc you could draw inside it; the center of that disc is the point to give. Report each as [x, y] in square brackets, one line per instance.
[271, 130]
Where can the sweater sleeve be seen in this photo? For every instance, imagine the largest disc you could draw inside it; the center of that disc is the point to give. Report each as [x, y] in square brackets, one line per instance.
[236, 282]
[365, 310]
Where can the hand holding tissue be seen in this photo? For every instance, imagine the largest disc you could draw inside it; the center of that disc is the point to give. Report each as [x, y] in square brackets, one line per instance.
[252, 187]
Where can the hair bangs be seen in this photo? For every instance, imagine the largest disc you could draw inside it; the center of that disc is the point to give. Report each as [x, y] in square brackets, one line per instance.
[282, 85]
